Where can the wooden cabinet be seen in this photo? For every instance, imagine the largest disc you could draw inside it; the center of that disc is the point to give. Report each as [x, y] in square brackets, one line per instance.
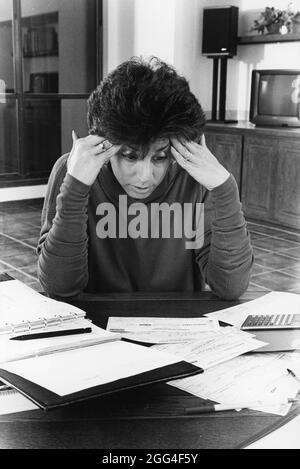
[287, 183]
[268, 162]
[271, 180]
[228, 149]
[258, 175]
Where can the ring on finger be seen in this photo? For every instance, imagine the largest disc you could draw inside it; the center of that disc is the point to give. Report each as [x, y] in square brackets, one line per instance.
[187, 157]
[105, 145]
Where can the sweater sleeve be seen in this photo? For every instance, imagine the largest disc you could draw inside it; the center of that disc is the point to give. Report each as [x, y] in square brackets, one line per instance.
[226, 257]
[63, 245]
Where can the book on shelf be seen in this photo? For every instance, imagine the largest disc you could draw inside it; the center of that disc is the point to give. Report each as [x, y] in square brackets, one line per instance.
[57, 371]
[38, 41]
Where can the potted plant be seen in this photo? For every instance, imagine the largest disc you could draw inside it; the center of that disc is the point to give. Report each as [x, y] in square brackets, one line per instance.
[275, 21]
[296, 23]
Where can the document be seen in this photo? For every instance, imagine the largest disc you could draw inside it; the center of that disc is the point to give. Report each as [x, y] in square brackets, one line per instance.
[248, 378]
[12, 401]
[271, 303]
[225, 345]
[163, 330]
[72, 371]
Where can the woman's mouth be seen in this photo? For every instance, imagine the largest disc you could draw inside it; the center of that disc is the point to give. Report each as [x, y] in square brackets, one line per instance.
[142, 188]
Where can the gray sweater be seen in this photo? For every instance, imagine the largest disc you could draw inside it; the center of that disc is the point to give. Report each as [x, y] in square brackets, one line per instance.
[73, 257]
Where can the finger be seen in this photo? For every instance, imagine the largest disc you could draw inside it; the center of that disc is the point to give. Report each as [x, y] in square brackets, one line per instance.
[94, 139]
[184, 152]
[106, 155]
[183, 162]
[74, 136]
[103, 147]
[187, 150]
[203, 140]
[192, 147]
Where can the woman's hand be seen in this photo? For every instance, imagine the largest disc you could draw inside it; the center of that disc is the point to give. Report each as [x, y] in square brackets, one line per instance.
[87, 157]
[199, 162]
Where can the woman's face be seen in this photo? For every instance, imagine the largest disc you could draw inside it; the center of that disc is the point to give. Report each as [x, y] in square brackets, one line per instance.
[139, 169]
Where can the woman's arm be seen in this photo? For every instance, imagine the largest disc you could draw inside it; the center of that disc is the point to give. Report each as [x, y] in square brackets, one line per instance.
[63, 244]
[226, 258]
[62, 247]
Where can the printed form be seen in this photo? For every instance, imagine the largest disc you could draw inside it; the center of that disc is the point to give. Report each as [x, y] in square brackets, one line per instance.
[163, 330]
[227, 344]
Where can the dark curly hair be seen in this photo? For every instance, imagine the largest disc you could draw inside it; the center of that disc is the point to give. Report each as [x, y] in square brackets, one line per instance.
[141, 101]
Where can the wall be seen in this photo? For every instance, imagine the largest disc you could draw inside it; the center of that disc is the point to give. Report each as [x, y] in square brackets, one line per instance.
[137, 27]
[118, 32]
[172, 29]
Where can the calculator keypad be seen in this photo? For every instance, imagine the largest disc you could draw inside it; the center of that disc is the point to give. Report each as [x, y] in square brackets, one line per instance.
[272, 321]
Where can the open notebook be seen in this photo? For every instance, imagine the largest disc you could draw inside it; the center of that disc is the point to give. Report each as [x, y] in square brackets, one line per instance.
[24, 311]
[57, 371]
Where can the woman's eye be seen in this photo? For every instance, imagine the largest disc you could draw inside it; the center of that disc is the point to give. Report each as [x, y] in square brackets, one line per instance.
[160, 157]
[129, 155]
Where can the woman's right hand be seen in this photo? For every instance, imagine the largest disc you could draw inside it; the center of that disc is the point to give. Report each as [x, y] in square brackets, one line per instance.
[88, 156]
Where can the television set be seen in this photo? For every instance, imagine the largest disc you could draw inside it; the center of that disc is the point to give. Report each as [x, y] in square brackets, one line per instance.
[275, 98]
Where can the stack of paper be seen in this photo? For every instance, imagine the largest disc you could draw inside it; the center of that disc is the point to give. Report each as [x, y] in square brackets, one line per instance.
[254, 377]
[231, 373]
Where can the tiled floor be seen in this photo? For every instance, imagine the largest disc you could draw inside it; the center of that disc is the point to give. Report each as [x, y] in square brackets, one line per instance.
[277, 251]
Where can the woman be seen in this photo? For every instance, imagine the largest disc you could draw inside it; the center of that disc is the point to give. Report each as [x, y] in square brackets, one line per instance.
[141, 204]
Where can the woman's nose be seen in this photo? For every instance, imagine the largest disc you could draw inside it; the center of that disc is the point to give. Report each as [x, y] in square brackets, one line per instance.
[144, 170]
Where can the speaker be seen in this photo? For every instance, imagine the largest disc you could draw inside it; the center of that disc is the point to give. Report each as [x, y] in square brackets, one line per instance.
[220, 26]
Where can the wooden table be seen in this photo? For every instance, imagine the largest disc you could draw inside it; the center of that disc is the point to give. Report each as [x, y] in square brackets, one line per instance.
[149, 417]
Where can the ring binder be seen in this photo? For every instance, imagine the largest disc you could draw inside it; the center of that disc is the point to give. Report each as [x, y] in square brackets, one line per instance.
[44, 322]
[24, 311]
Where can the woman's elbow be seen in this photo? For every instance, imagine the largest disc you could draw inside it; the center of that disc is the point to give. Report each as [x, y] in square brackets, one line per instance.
[232, 285]
[57, 283]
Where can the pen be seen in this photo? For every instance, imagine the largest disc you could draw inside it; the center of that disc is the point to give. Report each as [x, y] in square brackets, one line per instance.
[46, 335]
[293, 375]
[206, 409]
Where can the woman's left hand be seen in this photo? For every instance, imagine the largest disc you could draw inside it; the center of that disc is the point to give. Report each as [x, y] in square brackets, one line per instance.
[199, 162]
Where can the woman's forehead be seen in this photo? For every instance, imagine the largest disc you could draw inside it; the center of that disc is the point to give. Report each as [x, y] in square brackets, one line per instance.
[158, 144]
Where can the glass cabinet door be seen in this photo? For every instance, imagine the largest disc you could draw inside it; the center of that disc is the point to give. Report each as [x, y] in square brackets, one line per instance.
[50, 61]
[8, 102]
[59, 46]
[58, 65]
[7, 79]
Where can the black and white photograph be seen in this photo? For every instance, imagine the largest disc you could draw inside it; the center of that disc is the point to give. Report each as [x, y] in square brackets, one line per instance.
[149, 228]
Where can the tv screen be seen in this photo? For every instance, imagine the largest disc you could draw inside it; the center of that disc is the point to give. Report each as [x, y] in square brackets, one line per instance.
[275, 98]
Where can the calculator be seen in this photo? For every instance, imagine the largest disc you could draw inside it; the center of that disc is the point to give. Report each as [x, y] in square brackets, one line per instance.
[271, 321]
